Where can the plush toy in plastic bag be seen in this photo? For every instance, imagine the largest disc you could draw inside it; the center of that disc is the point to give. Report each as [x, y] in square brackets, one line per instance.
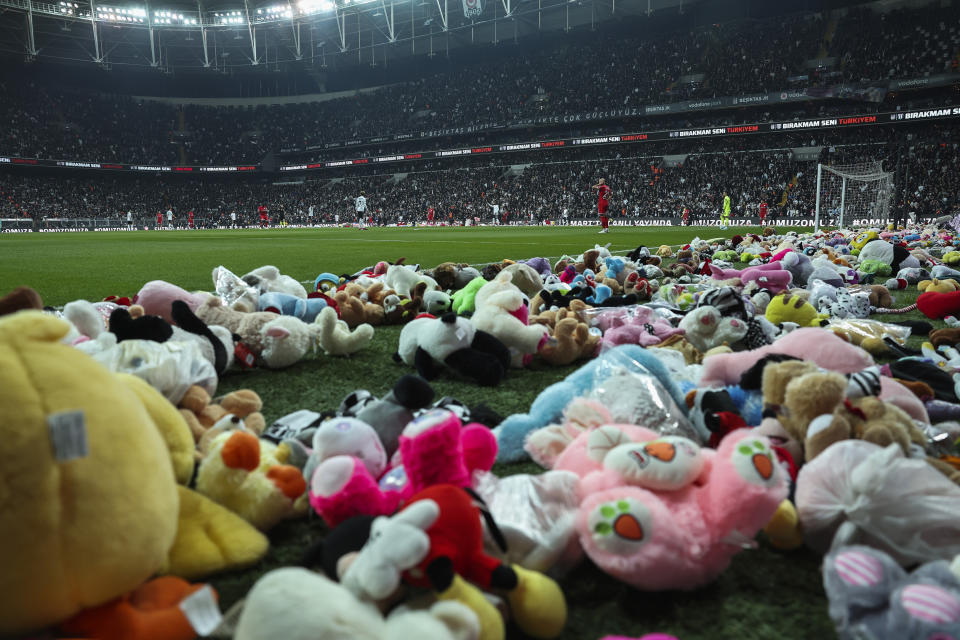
[634, 396]
[169, 367]
[236, 293]
[856, 492]
[536, 514]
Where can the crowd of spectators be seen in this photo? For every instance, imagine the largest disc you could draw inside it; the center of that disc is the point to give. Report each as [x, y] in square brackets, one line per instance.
[575, 77]
[554, 187]
[902, 43]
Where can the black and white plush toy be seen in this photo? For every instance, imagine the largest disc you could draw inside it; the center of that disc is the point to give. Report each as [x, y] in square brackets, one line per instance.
[452, 342]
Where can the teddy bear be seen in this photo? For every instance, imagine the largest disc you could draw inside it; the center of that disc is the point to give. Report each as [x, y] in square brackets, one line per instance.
[201, 414]
[502, 310]
[659, 512]
[434, 448]
[354, 310]
[251, 477]
[397, 310]
[451, 342]
[817, 410]
[280, 341]
[572, 340]
[705, 328]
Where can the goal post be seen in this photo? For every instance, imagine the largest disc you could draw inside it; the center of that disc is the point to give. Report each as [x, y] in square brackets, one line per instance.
[852, 192]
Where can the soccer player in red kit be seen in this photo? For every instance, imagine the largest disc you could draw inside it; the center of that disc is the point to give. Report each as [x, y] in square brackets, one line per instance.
[190, 219]
[159, 219]
[264, 221]
[603, 201]
[763, 211]
[430, 214]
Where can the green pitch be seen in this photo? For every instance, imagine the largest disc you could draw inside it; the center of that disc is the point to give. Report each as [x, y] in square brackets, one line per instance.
[68, 266]
[764, 594]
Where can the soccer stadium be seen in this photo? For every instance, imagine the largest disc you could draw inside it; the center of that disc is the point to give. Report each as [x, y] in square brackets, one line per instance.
[480, 319]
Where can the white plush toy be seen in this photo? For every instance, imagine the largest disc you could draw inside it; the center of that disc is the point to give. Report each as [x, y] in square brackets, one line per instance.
[297, 604]
[502, 311]
[269, 278]
[335, 338]
[403, 279]
[396, 544]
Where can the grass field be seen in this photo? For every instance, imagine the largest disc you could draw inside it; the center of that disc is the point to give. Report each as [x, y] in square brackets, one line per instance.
[764, 594]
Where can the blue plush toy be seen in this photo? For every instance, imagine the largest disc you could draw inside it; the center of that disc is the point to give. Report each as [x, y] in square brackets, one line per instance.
[548, 407]
[748, 403]
[600, 294]
[615, 266]
[325, 282]
[307, 309]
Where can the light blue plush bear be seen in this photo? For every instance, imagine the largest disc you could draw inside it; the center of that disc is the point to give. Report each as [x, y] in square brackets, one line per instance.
[307, 309]
[600, 294]
[548, 407]
[615, 266]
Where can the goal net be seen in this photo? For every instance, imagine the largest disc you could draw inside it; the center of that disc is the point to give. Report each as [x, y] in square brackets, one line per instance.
[853, 194]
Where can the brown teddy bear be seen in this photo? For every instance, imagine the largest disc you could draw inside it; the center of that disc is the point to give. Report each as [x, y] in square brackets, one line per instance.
[445, 274]
[354, 310]
[572, 341]
[589, 261]
[201, 414]
[677, 342]
[816, 412]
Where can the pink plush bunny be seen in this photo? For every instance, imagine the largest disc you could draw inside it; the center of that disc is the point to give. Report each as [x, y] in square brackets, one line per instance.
[822, 347]
[774, 280]
[156, 297]
[435, 448]
[634, 325]
[728, 274]
[661, 513]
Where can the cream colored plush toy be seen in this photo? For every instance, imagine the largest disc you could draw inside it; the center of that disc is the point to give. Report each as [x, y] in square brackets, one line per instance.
[503, 311]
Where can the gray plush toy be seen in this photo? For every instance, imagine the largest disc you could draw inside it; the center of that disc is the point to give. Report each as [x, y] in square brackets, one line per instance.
[873, 598]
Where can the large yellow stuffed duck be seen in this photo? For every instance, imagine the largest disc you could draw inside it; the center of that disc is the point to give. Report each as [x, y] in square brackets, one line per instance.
[92, 473]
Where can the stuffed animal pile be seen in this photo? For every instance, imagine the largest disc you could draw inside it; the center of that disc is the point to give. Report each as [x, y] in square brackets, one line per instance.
[762, 387]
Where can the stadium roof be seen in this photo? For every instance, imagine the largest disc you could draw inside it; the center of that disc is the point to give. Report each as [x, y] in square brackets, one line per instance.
[229, 35]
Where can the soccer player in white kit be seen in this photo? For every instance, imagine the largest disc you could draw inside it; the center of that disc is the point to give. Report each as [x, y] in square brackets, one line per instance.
[170, 218]
[361, 206]
[310, 215]
[130, 220]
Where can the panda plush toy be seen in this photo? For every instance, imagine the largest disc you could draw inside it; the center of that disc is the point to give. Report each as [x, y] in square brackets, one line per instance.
[452, 342]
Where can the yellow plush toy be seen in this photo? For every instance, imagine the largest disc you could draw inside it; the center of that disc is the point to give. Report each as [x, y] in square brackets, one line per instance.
[787, 307]
[938, 286]
[250, 477]
[90, 505]
[861, 239]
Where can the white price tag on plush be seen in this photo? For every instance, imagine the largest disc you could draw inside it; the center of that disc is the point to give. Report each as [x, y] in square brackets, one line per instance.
[202, 611]
[68, 433]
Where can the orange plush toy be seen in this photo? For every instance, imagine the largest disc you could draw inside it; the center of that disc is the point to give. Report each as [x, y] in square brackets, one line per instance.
[150, 612]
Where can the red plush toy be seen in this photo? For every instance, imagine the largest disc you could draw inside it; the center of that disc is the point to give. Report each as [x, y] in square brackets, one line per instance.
[937, 305]
[456, 549]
